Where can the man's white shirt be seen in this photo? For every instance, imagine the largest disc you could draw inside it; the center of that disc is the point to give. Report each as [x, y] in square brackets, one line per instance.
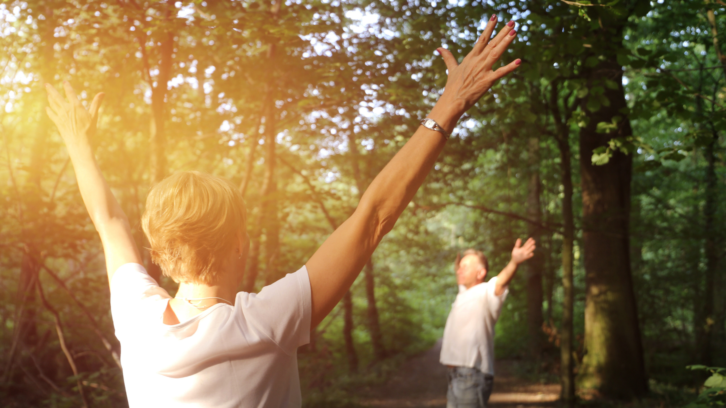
[469, 333]
[228, 356]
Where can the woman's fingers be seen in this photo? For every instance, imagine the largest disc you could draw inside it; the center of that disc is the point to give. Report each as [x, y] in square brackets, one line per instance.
[497, 50]
[502, 71]
[54, 98]
[96, 104]
[54, 104]
[497, 41]
[449, 58]
[485, 36]
[70, 93]
[53, 117]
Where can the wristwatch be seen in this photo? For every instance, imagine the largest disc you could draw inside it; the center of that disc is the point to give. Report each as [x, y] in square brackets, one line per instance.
[431, 124]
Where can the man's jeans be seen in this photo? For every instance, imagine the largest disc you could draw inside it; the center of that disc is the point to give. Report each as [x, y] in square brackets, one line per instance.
[468, 388]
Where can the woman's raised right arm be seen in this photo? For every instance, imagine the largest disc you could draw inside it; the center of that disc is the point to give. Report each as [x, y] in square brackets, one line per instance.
[76, 125]
[337, 263]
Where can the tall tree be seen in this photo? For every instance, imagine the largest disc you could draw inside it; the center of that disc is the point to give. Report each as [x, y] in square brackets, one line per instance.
[614, 364]
[535, 266]
[374, 325]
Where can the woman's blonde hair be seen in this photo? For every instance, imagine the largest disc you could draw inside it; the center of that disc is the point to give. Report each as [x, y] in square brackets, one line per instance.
[192, 221]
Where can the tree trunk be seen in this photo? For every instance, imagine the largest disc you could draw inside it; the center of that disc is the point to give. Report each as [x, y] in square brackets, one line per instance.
[374, 326]
[253, 260]
[33, 201]
[713, 313]
[348, 332]
[267, 216]
[562, 136]
[269, 192]
[613, 365]
[373, 321]
[270, 199]
[535, 265]
[567, 361]
[157, 128]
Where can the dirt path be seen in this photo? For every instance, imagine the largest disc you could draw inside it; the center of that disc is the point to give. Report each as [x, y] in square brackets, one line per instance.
[421, 382]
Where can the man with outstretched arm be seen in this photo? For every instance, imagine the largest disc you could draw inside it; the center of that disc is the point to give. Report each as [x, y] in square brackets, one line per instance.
[468, 346]
[209, 345]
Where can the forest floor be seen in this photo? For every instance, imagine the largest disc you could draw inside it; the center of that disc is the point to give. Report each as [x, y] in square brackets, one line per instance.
[421, 382]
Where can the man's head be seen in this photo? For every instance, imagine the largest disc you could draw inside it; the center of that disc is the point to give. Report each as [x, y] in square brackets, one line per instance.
[471, 268]
[195, 224]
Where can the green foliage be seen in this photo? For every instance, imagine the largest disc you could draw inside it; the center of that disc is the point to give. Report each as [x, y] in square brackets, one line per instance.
[323, 83]
[714, 388]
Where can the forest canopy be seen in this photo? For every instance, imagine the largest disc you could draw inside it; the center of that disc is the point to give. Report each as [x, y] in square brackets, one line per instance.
[605, 145]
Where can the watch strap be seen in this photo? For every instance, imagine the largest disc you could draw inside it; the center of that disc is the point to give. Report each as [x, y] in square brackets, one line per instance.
[431, 124]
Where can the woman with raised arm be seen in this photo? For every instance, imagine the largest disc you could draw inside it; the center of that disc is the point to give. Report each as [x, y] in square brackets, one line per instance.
[211, 346]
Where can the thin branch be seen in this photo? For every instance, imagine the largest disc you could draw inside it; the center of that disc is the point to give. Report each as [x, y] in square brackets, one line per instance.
[94, 323]
[57, 180]
[492, 211]
[696, 69]
[316, 196]
[89, 315]
[249, 165]
[62, 340]
[17, 331]
[576, 4]
[145, 60]
[42, 375]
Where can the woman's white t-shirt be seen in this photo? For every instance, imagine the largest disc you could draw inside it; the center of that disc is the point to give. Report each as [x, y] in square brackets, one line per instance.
[228, 356]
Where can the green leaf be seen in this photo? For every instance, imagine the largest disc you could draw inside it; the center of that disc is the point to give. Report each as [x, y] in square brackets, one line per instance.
[593, 105]
[597, 90]
[637, 63]
[591, 61]
[716, 380]
[672, 57]
[675, 156]
[601, 156]
[649, 165]
[623, 60]
[606, 127]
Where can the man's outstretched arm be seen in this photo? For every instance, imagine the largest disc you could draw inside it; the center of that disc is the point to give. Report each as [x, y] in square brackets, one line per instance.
[520, 253]
[76, 125]
[334, 267]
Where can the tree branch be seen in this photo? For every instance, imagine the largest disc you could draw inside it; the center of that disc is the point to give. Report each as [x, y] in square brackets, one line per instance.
[491, 211]
[62, 340]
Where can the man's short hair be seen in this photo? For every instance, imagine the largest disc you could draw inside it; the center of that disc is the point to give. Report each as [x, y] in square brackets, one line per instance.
[192, 220]
[479, 254]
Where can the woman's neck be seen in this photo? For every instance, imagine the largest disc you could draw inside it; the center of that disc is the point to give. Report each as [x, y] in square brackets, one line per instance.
[192, 299]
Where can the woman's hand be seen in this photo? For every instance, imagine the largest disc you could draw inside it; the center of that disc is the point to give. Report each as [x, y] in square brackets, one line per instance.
[469, 80]
[75, 124]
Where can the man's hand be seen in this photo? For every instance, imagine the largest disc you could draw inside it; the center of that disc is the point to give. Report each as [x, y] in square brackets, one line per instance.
[75, 124]
[521, 253]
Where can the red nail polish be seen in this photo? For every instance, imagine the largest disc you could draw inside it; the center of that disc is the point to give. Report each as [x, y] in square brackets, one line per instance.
[512, 33]
[510, 23]
[494, 17]
[517, 62]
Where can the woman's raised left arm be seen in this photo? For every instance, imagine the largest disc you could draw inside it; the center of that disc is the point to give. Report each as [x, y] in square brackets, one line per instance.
[337, 263]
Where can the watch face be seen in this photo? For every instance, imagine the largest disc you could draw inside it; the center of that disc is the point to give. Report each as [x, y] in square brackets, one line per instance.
[430, 123]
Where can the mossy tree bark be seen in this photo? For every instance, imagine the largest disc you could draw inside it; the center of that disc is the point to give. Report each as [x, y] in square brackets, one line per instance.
[561, 118]
[613, 365]
[535, 266]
